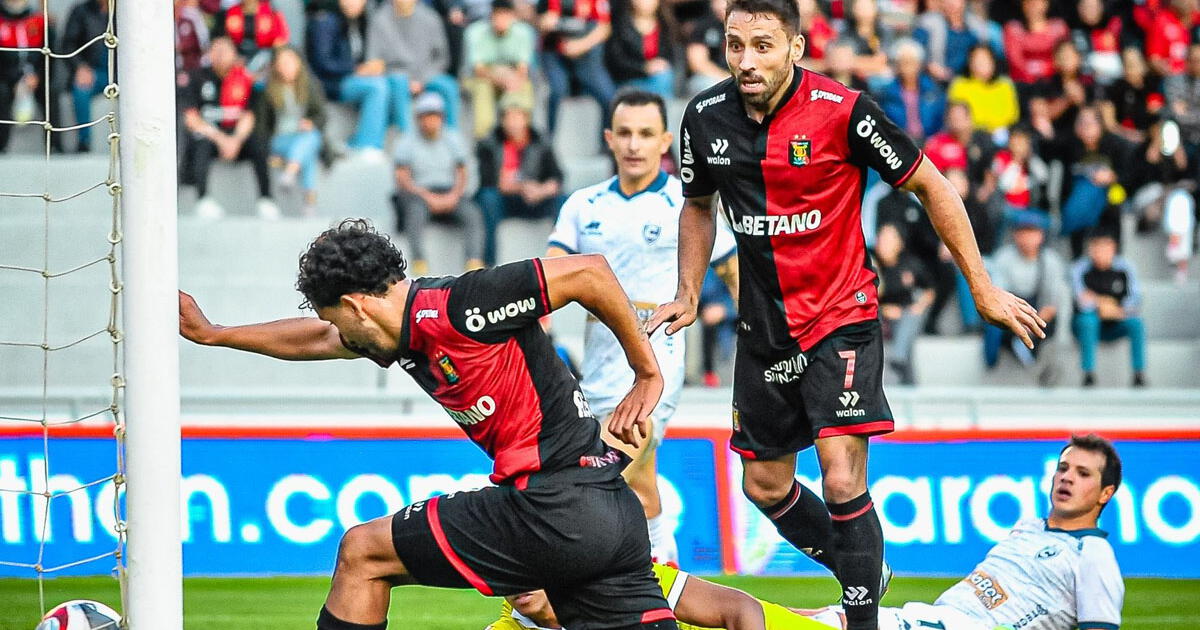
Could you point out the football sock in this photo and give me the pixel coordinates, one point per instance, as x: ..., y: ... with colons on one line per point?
x: 803, y: 520
x: 326, y: 621
x: 662, y: 541
x: 858, y: 541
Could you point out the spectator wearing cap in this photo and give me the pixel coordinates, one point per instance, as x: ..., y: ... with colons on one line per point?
x: 431, y: 184
x: 291, y: 114
x: 706, y: 49
x: 948, y: 33
x: 1108, y: 302
x: 406, y: 43
x: 218, y: 113
x: 904, y: 298
x: 574, y: 33
x: 641, y: 52
x: 89, y: 69
x: 256, y: 28
x: 913, y: 100
x: 337, y: 49
x: 991, y: 97
x: 1035, y: 273
x: 518, y: 174
x: 499, y: 53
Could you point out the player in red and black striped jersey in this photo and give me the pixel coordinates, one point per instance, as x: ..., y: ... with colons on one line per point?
x: 787, y: 151
x: 560, y: 517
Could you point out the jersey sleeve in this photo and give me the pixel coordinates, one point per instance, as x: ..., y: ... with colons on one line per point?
x: 489, y: 305
x: 566, y: 228
x: 693, y: 171
x: 1099, y: 589
x: 506, y: 620
x: 672, y: 581
x: 877, y: 142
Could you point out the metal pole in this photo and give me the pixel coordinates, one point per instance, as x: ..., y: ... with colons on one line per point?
x: 146, y: 74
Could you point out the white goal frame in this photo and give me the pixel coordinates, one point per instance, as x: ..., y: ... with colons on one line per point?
x: 147, y: 120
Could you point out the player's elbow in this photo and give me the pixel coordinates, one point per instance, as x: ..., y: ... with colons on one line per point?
x: 742, y: 611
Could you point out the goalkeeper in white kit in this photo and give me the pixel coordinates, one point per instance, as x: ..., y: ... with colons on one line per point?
x: 633, y: 220
x: 1057, y: 573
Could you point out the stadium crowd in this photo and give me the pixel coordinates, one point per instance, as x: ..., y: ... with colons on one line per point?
x: 1052, y: 118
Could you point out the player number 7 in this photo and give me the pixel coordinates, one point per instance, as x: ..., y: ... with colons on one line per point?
x: 849, y: 356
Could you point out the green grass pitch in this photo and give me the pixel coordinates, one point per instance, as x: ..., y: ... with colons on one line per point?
x: 292, y: 603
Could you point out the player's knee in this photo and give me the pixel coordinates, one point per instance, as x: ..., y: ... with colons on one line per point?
x: 842, y: 485
x: 765, y: 491
x: 357, y: 549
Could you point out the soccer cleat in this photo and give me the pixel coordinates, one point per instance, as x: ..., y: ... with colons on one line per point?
x: 267, y: 209
x: 1089, y: 379
x: 885, y: 579
x: 1139, y: 380
x: 207, y: 208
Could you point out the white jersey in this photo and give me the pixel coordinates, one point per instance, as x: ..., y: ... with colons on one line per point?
x: 639, y: 236
x: 1041, y: 578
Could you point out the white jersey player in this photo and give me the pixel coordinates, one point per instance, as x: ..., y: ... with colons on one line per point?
x: 633, y: 220
x: 1053, y: 574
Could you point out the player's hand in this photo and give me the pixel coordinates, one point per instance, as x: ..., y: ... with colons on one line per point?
x: 1003, y: 309
x: 680, y: 313
x: 630, y: 423
x: 193, y: 325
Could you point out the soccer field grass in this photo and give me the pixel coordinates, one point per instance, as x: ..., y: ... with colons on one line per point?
x: 292, y: 603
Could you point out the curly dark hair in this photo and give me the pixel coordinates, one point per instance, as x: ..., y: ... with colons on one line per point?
x: 353, y: 257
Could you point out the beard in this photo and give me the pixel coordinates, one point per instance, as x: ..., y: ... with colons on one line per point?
x: 771, y: 86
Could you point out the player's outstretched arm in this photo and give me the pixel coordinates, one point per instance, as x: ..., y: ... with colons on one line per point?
x: 697, y: 232
x: 296, y: 339
x: 949, y: 218
x: 587, y: 280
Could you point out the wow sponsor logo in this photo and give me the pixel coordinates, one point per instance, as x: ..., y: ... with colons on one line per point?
x: 475, y: 317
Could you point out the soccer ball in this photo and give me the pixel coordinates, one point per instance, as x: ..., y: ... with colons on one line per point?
x: 80, y: 614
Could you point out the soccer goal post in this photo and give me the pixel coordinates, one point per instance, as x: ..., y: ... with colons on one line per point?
x: 146, y: 115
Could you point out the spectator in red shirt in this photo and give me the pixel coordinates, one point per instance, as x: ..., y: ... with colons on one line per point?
x: 218, y: 113
x: 818, y: 34
x: 1029, y: 44
x: 960, y: 145
x: 1017, y: 173
x: 1170, y: 35
x: 255, y: 27
x: 23, y: 73
x: 191, y: 36
x: 518, y: 175
x: 641, y: 53
x: 574, y: 35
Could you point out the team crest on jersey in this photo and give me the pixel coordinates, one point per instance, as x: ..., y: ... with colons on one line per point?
x: 449, y: 370
x: 800, y: 153
x: 1048, y: 552
x: 651, y: 232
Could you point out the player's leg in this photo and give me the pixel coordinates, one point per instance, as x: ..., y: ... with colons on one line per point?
x: 843, y: 397
x: 768, y: 428
x: 367, y: 569
x: 857, y: 533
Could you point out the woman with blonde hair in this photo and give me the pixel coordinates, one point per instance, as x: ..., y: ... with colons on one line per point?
x: 291, y: 113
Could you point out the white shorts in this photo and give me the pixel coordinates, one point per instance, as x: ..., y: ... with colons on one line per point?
x: 913, y: 616
x: 607, y: 376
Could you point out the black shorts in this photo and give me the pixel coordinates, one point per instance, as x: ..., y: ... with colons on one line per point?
x: 783, y: 403
x: 579, y: 534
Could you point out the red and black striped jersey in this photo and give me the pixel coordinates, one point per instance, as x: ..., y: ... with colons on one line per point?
x: 792, y: 187
x: 474, y: 344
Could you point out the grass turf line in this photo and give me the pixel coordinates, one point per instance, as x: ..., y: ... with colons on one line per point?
x: 292, y: 603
